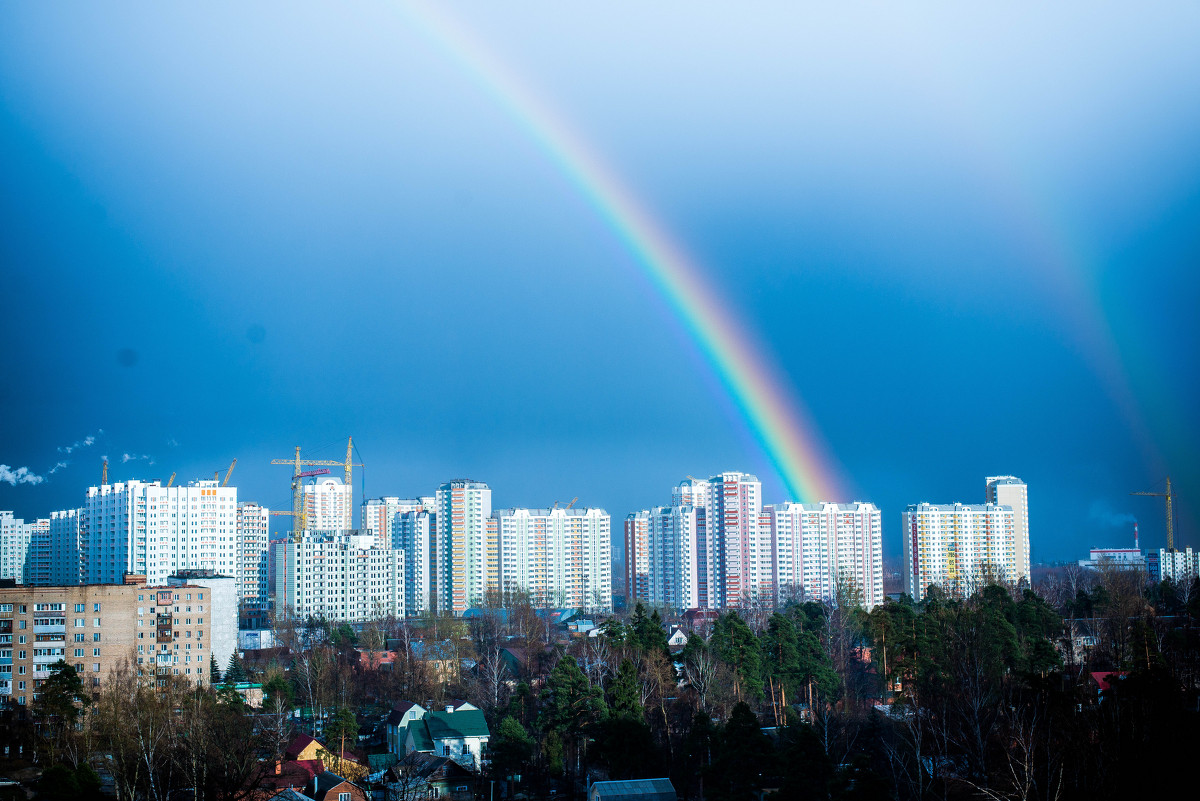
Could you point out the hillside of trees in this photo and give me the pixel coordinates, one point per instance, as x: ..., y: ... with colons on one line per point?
x: 1077, y: 690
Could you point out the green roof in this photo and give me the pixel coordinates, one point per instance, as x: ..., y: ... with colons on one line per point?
x: 420, y: 736
x: 449, y: 725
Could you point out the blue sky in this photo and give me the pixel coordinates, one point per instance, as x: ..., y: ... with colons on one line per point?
x: 228, y: 231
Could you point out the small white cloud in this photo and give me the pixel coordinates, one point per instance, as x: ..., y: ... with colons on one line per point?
x: 56, y: 468
x: 171, y: 443
x: 87, y: 441
x: 19, y: 475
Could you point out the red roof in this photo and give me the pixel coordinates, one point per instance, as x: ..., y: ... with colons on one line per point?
x: 375, y: 659
x: 298, y: 744
x: 296, y: 774
x: 1102, y: 678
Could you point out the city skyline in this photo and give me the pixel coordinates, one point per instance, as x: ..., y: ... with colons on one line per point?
x: 945, y: 250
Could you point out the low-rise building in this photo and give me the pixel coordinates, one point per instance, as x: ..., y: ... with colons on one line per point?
x: 1114, y: 559
x: 458, y: 731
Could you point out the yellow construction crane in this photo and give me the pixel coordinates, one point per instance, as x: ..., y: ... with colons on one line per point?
x: 573, y: 501
x: 104, y: 473
x: 171, y: 480
x: 1170, y: 525
x: 297, y: 513
x: 229, y: 472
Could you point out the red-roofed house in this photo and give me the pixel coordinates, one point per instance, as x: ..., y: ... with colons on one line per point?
x: 294, y: 775
x: 1104, y: 679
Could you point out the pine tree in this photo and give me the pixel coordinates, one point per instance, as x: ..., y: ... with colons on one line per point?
x: 626, y: 694
x: 236, y: 672
x: 214, y: 670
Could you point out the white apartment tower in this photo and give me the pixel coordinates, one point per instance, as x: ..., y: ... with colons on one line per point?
x: 1181, y: 567
x: 141, y: 528
x: 339, y: 577
x: 380, y: 516
x: 827, y: 549
x: 678, y: 556
x: 461, y: 544
x: 16, y: 540
x: 1011, y: 491
x: 414, y: 533
x: 559, y: 556
x: 253, y: 536
x: 957, y: 546
x: 66, y: 552
x: 328, y: 505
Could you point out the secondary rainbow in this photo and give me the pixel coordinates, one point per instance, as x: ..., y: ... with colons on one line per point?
x: 775, y: 418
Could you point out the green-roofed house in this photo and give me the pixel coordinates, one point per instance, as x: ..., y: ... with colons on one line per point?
x: 458, y: 731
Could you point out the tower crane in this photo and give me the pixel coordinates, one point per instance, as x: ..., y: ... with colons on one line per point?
x: 229, y: 472
x: 171, y: 480
x: 297, y: 513
x: 1170, y: 517
x: 104, y: 473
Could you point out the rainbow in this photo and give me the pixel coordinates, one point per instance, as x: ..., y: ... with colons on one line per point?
x: 776, y: 420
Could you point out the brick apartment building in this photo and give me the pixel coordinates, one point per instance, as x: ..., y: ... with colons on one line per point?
x: 160, y: 631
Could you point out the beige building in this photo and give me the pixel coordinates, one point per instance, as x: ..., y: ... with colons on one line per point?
x: 95, y: 628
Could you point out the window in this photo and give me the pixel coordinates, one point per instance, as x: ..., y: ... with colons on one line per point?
x: 95, y: 667
x: 95, y: 607
x: 79, y: 623
x: 78, y: 607
x: 343, y: 797
x: 96, y: 637
x: 96, y: 622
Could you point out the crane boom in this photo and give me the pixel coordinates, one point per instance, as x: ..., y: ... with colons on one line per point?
x: 229, y: 472
x: 299, y: 521
x: 1170, y: 525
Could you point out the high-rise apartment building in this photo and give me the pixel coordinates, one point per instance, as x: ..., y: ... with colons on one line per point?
x: 414, y: 533
x: 637, y: 558
x: 66, y: 551
x: 561, y: 557
x: 740, y: 562
x: 339, y: 577
x: 957, y: 547
x: 1011, y: 491
x: 829, y: 551
x: 253, y: 592
x: 461, y: 544
x: 140, y: 528
x: 328, y: 505
x: 717, y: 546
x: 1181, y: 567
x: 16, y: 540
x: 380, y: 516
x: 678, y: 556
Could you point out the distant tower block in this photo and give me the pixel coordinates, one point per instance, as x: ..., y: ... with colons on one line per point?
x: 1011, y: 491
